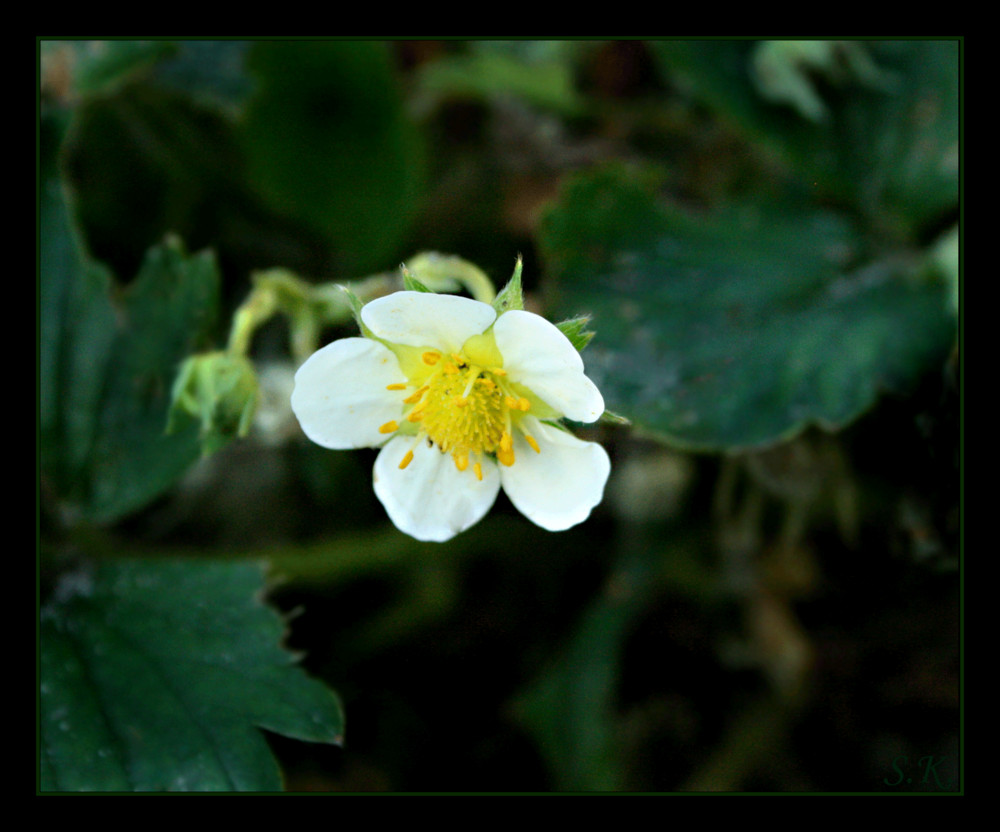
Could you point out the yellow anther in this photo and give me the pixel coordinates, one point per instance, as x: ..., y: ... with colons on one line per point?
x: 430, y: 358
x: 523, y: 404
x: 406, y: 460
x: 415, y: 397
x: 479, y: 471
x: 505, y: 456
x: 395, y: 387
x: 461, y: 461
x: 459, y: 401
x: 532, y: 442
x: 389, y: 427
x: 511, y: 402
x: 506, y: 442
x: 450, y: 369
x: 498, y: 371
x: 414, y: 415
x: 487, y: 383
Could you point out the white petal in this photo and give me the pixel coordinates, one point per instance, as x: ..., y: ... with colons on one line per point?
x: 558, y: 486
x: 537, y: 355
x: 431, y: 499
x: 424, y: 319
x: 340, y: 396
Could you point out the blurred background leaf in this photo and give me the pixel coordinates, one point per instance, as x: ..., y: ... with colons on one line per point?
x: 887, y: 143
x: 268, y: 151
x: 328, y: 143
x: 145, y: 161
x: 89, y: 67
x: 572, y: 707
x: 157, y: 676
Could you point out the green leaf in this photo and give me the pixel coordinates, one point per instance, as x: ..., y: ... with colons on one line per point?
x: 328, y: 143
x: 157, y: 675
x: 541, y: 75
x: 737, y: 329
x: 107, y: 363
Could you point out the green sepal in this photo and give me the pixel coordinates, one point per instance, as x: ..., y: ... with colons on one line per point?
x: 356, y: 305
x: 609, y: 417
x: 511, y: 296
x: 575, y: 329
x: 410, y: 283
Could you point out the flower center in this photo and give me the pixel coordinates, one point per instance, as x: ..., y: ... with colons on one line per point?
x: 465, y: 409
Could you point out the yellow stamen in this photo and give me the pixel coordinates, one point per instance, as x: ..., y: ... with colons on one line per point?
x: 473, y: 373
x: 395, y: 387
x: 406, y: 460
x: 532, y: 442
x: 389, y: 427
x: 467, y: 410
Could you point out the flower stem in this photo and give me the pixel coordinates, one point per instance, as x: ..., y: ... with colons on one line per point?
x: 308, y: 307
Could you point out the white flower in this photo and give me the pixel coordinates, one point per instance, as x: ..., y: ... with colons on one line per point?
x: 462, y: 402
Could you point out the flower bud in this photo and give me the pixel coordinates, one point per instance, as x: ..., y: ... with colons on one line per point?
x: 219, y: 390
